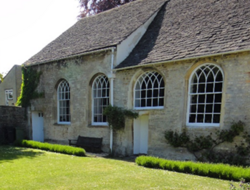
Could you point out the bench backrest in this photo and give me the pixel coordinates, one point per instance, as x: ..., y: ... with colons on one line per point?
x: 88, y: 141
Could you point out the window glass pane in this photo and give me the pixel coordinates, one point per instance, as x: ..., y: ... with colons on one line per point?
x: 155, y: 101
x: 208, y: 118
x: 201, y: 99
x: 194, y: 88
x: 143, y: 93
x: 161, y: 101
x: 201, y: 108
x: 143, y: 103
x: 218, y: 87
x: 149, y: 85
x: 210, y: 98
x: 210, y: 77
x: 137, y: 103
x: 202, y: 78
x: 210, y: 87
x: 149, y: 102
x: 143, y: 86
x: 217, y: 108
x: 192, y: 118
x: 156, y: 93
x: 216, y: 118
x: 193, y: 109
x: 201, y: 88
x: 209, y: 108
x: 161, y: 93
x: 218, y: 97
x: 219, y: 77
x: 193, y: 98
x: 200, y: 118
x: 149, y: 93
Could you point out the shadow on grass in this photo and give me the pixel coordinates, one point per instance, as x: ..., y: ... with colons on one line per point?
x: 9, y: 153
x: 125, y: 159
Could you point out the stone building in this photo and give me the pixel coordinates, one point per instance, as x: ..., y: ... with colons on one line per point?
x: 179, y: 64
x: 11, y: 86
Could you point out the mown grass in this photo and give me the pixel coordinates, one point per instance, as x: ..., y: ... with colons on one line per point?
x: 25, y: 168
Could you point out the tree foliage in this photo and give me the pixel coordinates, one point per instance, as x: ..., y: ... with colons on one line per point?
x: 92, y: 7
x: 1, y: 77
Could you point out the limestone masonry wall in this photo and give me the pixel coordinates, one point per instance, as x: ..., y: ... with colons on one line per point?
x: 80, y: 72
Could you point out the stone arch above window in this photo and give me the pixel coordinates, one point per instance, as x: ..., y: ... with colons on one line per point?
x: 205, y: 96
x: 63, y: 102
x: 100, y: 99
x: 149, y: 91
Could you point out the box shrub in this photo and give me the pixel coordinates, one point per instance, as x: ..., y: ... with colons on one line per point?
x: 51, y: 147
x: 221, y: 171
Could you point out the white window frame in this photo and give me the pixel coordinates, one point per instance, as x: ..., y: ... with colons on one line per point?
x: 7, y: 94
x: 63, y: 99
x: 104, y: 85
x: 203, y: 124
x: 140, y: 81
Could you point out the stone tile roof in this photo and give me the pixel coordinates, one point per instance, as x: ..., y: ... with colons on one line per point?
x: 193, y: 28
x: 96, y: 32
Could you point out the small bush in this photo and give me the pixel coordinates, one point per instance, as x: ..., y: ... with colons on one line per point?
x: 220, y: 171
x: 51, y: 147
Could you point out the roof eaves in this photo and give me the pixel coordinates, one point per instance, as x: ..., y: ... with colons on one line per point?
x: 183, y: 59
x: 71, y: 56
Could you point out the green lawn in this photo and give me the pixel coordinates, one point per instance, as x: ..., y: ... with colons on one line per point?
x: 22, y: 168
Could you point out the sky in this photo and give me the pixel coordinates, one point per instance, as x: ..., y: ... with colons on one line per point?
x: 26, y: 26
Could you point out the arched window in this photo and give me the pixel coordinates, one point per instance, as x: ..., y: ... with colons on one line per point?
x: 205, y: 95
x: 100, y: 99
x: 63, y: 103
x: 149, y: 91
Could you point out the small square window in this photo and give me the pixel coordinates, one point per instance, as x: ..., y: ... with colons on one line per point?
x: 9, y: 94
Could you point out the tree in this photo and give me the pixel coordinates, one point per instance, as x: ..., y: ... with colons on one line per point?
x: 1, y: 77
x: 92, y: 7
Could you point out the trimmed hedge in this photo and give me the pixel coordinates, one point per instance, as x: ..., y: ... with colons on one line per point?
x: 51, y: 147
x: 220, y: 171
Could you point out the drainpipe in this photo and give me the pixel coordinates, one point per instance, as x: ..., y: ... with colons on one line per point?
x: 112, y: 76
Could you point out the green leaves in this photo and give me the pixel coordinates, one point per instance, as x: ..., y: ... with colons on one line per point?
x: 202, y: 146
x: 220, y: 171
x: 52, y: 147
x: 116, y: 116
x: 30, y: 81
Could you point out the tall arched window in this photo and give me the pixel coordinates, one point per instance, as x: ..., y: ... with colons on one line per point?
x: 149, y: 91
x: 63, y: 103
x: 100, y: 99
x: 205, y: 95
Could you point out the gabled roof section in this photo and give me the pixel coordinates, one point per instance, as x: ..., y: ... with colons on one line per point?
x: 189, y: 28
x: 97, y: 32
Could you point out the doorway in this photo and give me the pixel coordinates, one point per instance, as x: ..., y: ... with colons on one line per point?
x: 37, y: 126
x: 141, y: 135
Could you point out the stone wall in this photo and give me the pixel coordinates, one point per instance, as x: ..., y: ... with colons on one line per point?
x: 80, y: 73
x: 12, y: 117
x: 235, y: 102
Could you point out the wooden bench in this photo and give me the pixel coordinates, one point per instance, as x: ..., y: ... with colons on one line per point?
x: 90, y: 144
